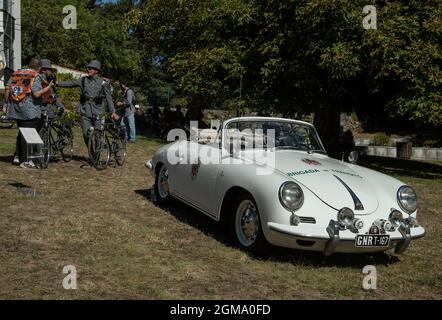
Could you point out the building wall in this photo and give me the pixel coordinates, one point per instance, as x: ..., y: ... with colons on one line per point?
x: 75, y: 73
x: 10, y: 39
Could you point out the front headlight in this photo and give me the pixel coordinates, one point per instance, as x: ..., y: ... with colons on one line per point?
x: 291, y: 196
x: 396, y: 218
x: 407, y: 199
x: 346, y: 217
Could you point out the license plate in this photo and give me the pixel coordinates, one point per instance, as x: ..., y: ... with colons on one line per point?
x: 372, y: 240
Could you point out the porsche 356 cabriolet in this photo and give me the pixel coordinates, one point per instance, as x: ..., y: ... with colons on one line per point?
x: 290, y: 193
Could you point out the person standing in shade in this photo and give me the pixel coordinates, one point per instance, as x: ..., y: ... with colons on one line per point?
x: 94, y: 90
x: 128, y: 119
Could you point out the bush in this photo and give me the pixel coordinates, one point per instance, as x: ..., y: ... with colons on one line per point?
x: 381, y: 139
x: 73, y: 116
x: 69, y: 97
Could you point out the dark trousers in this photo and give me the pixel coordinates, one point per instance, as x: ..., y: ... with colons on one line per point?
x: 20, y: 146
x: 87, y: 123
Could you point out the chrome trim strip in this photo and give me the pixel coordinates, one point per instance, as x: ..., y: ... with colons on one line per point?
x: 194, y: 206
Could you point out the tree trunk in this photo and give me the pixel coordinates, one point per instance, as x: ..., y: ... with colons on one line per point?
x: 327, y: 122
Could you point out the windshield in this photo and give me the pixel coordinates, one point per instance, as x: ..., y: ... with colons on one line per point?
x: 278, y: 134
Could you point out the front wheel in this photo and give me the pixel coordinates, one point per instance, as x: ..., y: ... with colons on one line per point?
x: 99, y: 150
x: 245, y: 225
x: 161, y: 187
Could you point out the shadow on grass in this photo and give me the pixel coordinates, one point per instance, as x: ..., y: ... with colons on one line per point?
x: 194, y: 218
x: 7, y: 159
x: 19, y: 185
x: 417, y: 169
x: 81, y: 159
x: 151, y: 137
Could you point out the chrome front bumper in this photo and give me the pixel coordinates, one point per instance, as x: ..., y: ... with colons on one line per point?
x: 336, y: 239
x: 149, y: 165
x: 334, y: 228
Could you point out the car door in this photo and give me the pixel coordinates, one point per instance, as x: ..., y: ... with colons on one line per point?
x: 195, y: 182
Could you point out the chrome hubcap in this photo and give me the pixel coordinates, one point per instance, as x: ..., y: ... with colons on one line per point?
x: 247, y: 223
x: 163, y: 183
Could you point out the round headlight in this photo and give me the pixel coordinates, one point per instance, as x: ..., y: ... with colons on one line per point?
x: 407, y: 199
x: 346, y: 217
x: 291, y: 196
x: 395, y: 218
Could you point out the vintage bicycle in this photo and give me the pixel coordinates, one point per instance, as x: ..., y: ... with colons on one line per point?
x: 57, y: 136
x: 107, y: 141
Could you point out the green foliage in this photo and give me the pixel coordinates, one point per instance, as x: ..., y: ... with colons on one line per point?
x: 381, y: 139
x: 293, y: 56
x: 299, y: 56
x: 101, y: 35
x: 69, y: 97
x: 405, y: 59
x: 73, y: 116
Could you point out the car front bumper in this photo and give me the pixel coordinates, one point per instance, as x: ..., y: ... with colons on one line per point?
x: 333, y: 239
x: 149, y: 165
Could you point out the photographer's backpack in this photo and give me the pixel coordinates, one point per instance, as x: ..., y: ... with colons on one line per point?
x: 21, y: 84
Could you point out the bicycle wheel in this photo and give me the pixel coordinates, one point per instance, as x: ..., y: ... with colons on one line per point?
x: 46, y: 149
x: 120, y: 151
x: 5, y: 123
x: 99, y: 150
x: 67, y: 150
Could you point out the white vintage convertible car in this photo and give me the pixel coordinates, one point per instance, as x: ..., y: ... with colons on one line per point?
x: 270, y: 180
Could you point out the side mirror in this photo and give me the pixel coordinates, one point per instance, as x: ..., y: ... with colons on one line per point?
x: 353, y: 157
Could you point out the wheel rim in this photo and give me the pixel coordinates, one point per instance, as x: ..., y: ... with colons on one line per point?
x: 247, y: 223
x: 99, y: 150
x: 46, y: 149
x: 120, y: 152
x: 163, y: 183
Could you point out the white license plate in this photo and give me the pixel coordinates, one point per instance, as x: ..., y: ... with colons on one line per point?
x: 372, y: 240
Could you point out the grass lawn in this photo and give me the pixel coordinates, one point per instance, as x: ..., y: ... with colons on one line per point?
x: 124, y: 247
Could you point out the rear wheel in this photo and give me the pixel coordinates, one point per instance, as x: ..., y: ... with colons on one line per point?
x: 99, y: 150
x: 46, y: 149
x: 120, y: 151
x: 67, y: 152
x: 5, y: 123
x: 161, y: 187
x: 245, y: 225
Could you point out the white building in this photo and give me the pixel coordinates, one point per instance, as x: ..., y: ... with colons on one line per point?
x: 10, y: 38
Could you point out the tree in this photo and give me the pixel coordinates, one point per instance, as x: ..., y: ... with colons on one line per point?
x: 299, y: 56
x: 101, y: 34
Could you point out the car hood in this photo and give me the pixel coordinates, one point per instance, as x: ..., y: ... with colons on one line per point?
x: 336, y: 183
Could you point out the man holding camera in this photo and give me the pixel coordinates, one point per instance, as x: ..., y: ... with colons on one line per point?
x: 50, y: 98
x: 94, y: 90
